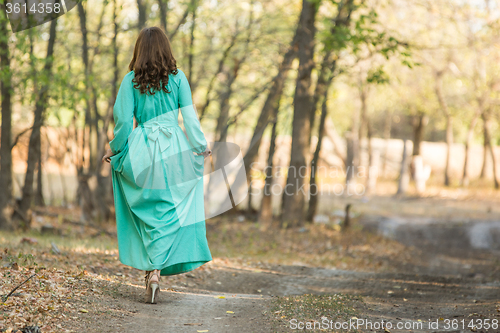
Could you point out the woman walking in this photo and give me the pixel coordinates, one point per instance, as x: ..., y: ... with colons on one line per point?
x: 157, y: 172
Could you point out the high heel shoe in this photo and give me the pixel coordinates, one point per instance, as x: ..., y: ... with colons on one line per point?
x: 152, y: 286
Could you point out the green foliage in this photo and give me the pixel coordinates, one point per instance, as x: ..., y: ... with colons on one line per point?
x: 21, y: 259
x: 364, y: 32
x: 378, y: 75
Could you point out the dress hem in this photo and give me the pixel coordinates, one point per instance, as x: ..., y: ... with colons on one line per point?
x: 197, y: 264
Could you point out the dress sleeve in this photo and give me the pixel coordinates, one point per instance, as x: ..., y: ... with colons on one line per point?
x: 192, y: 124
x: 123, y: 114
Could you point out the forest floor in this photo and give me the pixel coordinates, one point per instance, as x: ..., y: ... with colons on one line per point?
x: 270, y: 280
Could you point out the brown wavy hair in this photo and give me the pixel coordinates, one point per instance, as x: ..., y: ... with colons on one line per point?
x: 152, y: 61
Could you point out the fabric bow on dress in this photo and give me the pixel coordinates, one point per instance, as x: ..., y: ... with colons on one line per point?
x: 160, y: 133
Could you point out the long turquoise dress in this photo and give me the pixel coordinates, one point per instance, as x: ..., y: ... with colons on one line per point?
x: 158, y: 178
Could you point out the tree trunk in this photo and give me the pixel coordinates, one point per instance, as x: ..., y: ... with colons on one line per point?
x: 163, y: 5
x: 487, y: 133
x: 449, y: 142
x: 86, y: 201
x: 350, y: 163
x: 102, y: 193
x: 404, y: 177
x: 181, y: 22
x: 363, y: 130
x: 486, y: 149
x: 270, y: 106
x: 387, y: 137
x: 313, y: 197
x: 85, y: 59
x: 222, y: 121
x: 6, y: 135
x: 468, y: 142
x: 23, y: 211
x: 294, y: 194
x: 225, y: 54
x: 342, y: 20
x: 94, y: 126
x: 494, y: 159
x: 419, y: 123
x: 266, y: 208
x: 191, y: 41
x: 320, y: 90
x: 221, y: 129
x: 353, y: 150
x: 142, y: 6
x: 39, y: 200
x: 335, y: 138
x: 363, y: 126
x: 373, y: 160
x: 91, y: 109
x: 449, y: 125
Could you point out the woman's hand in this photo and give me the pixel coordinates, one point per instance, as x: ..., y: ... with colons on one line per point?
x: 106, y: 157
x: 207, y: 152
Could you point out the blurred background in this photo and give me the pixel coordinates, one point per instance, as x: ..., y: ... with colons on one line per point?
x: 339, y: 86
x: 390, y: 109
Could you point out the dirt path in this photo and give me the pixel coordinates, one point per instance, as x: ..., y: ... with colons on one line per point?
x: 182, y: 311
x: 446, y: 284
x: 395, y: 297
x: 436, y: 271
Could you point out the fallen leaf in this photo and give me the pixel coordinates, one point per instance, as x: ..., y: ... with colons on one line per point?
x: 83, y: 311
x: 193, y: 324
x: 229, y: 312
x: 29, y: 240
x: 200, y: 331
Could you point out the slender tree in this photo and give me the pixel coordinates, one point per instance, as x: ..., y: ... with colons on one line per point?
x: 163, y: 6
x: 487, y: 135
x: 194, y: 5
x: 142, y: 6
x: 313, y: 188
x: 294, y: 194
x: 270, y: 105
x: 419, y: 122
x: 220, y: 68
x: 6, y: 136
x: 22, y: 213
x: 266, y: 208
x: 227, y: 84
x: 449, y: 123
